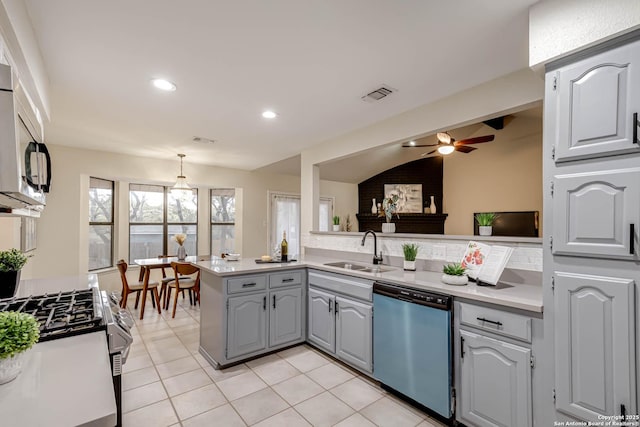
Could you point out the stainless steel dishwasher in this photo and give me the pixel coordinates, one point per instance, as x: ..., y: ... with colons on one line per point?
x: 412, y: 345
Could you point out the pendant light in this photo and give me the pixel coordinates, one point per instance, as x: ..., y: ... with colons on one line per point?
x: 181, y: 181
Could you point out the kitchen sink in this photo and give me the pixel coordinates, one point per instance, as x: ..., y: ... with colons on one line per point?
x: 347, y: 265
x: 357, y: 267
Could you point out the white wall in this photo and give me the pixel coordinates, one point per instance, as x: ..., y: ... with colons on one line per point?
x: 560, y: 27
x: 62, y: 239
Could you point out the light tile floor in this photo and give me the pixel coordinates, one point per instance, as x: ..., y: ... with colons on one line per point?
x: 166, y: 382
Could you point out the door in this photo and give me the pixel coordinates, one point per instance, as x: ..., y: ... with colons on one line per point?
x: 322, y: 323
x: 354, y: 333
x: 246, y: 324
x: 594, y: 345
x: 285, y: 317
x: 597, y: 213
x: 598, y: 102
x: 495, y: 382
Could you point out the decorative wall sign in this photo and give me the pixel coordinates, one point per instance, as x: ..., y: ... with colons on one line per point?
x: 409, y: 196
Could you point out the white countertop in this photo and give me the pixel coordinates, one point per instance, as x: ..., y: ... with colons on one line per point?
x: 524, y: 296
x: 64, y: 382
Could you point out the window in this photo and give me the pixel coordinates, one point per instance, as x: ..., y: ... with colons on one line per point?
x: 223, y: 218
x: 156, y: 214
x: 285, y: 216
x: 100, y: 223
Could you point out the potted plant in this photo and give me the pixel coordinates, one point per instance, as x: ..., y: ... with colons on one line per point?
x: 18, y: 333
x: 336, y: 223
x: 180, y: 238
x: 454, y: 274
x: 390, y: 207
x: 410, y: 252
x: 485, y: 222
x: 11, y: 263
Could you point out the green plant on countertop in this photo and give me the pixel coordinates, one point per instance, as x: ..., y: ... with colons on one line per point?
x: 18, y: 333
x: 336, y: 220
x: 410, y: 251
x: 12, y: 260
x: 454, y: 269
x: 486, y: 219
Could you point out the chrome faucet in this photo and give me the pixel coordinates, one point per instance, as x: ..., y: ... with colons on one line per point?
x: 376, y: 259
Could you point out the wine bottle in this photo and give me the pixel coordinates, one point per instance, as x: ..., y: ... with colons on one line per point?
x: 284, y: 247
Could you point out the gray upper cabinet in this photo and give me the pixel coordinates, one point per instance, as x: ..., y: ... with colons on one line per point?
x: 285, y: 318
x: 354, y: 332
x: 495, y: 382
x: 598, y: 99
x: 594, y: 345
x: 597, y: 213
x: 322, y: 324
x: 246, y: 324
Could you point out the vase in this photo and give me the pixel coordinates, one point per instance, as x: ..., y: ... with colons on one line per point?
x: 182, y: 253
x: 449, y: 279
x: 409, y: 265
x: 336, y: 227
x: 374, y: 207
x: 11, y: 367
x: 9, y: 281
x: 433, y: 205
x: 485, y: 230
x: 388, y: 227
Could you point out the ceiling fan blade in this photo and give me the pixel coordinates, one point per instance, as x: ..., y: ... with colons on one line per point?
x: 465, y: 149
x: 476, y: 140
x: 426, y: 154
x: 407, y: 145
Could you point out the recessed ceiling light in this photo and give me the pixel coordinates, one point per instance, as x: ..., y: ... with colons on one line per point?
x: 269, y: 114
x: 163, y: 84
x: 412, y: 143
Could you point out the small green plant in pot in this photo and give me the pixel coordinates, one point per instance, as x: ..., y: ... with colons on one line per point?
x: 485, y: 222
x: 410, y: 251
x: 336, y: 223
x: 11, y: 263
x: 454, y: 274
x: 18, y: 333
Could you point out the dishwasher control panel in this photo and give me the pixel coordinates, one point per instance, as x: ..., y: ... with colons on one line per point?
x: 442, y: 302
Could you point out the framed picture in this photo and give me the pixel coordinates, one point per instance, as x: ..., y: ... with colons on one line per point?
x: 409, y: 196
x: 27, y: 234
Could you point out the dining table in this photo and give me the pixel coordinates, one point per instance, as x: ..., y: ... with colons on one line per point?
x: 148, y: 264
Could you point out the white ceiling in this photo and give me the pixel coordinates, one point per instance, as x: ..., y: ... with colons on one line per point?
x: 310, y: 61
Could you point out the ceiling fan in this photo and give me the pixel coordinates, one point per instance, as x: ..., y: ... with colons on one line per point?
x: 447, y: 144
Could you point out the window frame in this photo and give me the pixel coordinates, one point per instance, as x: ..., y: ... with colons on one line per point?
x: 216, y: 224
x: 109, y: 223
x: 165, y: 218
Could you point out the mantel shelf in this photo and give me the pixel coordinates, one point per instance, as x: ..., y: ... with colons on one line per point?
x: 418, y: 223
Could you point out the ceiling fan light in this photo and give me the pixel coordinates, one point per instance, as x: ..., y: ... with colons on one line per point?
x: 444, y: 137
x: 446, y: 149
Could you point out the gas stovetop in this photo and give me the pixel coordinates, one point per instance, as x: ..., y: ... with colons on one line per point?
x: 63, y: 314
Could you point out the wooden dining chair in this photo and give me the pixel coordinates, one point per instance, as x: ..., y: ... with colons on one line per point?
x: 136, y: 287
x: 184, y: 280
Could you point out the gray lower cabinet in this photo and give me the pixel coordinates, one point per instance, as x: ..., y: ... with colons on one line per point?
x: 495, y: 387
x: 246, y: 324
x: 338, y: 321
x: 594, y: 345
x: 285, y: 316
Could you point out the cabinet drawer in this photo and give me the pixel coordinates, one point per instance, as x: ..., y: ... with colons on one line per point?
x: 246, y: 284
x: 287, y: 278
x: 496, y: 321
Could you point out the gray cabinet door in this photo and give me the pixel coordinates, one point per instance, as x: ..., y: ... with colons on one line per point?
x: 246, y: 324
x: 594, y: 213
x: 322, y: 323
x: 285, y: 317
x: 495, y: 382
x: 354, y: 332
x: 597, y: 98
x: 594, y: 345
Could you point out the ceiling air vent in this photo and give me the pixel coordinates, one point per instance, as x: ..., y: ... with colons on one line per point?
x: 378, y: 94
